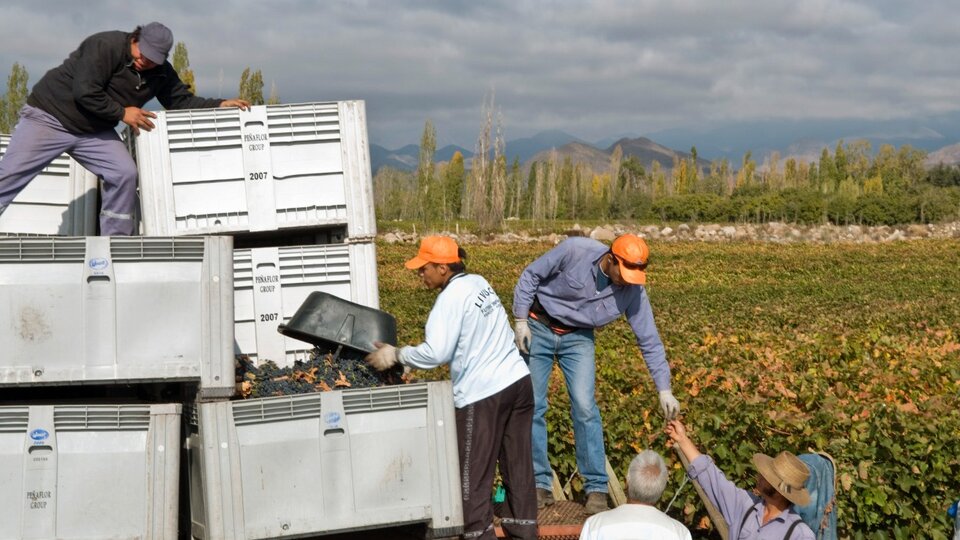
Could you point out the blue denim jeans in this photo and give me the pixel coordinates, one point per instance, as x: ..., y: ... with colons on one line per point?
x: 575, y: 355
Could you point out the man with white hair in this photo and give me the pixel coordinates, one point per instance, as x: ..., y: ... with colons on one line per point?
x: 639, y: 519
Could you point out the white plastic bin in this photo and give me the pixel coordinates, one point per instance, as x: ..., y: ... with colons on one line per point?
x: 271, y: 283
x: 318, y: 463
x: 62, y: 200
x: 111, y: 309
x: 89, y: 471
x: 214, y: 171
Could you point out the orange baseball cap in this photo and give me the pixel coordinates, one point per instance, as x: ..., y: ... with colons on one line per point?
x: 632, y: 255
x: 435, y: 249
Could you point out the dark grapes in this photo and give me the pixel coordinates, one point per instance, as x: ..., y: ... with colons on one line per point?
x: 325, y: 370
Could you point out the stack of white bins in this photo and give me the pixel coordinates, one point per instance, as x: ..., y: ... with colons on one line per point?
x: 292, y: 185
x: 95, y: 331
x: 62, y: 199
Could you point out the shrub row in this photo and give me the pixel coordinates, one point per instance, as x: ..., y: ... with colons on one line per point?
x: 927, y: 205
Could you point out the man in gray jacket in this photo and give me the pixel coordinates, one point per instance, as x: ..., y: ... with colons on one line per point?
x: 76, y: 107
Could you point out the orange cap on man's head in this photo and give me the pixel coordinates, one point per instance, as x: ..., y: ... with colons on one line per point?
x: 435, y: 249
x: 632, y: 255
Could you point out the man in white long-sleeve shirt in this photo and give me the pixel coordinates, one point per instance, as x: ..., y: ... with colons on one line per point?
x: 492, y: 392
x: 639, y: 519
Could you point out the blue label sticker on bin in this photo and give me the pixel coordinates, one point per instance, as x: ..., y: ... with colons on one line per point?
x: 332, y: 419
x: 99, y: 263
x: 39, y: 435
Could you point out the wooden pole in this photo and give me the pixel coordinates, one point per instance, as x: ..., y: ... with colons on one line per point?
x: 613, y: 485
x: 712, y: 510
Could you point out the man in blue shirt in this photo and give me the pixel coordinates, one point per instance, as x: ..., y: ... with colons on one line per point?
x: 559, y: 300
x: 766, y: 513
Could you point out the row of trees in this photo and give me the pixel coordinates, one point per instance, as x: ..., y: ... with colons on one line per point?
x: 251, y: 82
x: 251, y: 87
x: 442, y: 193
x: 852, y: 184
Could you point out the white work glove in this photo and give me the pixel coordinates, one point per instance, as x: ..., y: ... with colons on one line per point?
x: 669, y: 405
x: 384, y: 358
x: 522, y: 336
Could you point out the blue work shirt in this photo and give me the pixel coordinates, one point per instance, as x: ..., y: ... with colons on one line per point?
x: 565, y: 281
x: 734, y: 503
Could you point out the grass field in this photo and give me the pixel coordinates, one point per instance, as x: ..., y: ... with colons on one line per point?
x: 849, y: 349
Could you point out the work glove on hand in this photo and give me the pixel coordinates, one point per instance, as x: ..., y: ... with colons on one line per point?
x: 522, y: 336
x: 384, y: 358
x: 669, y: 405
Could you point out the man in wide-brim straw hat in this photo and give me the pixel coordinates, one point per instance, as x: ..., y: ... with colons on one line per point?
x: 767, y: 513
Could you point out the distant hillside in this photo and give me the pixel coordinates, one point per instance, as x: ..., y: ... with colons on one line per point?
x: 408, y: 157
x: 527, y: 147
x: 538, y: 148
x: 648, y: 151
x: 593, y: 157
x: 404, y: 159
x: 446, y: 153
x: 642, y: 148
x: 761, y: 137
x: 948, y: 155
x: 608, y: 141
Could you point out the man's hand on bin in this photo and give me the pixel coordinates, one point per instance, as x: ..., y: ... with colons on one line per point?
x: 138, y: 119
x: 522, y: 336
x: 236, y: 102
x: 384, y: 358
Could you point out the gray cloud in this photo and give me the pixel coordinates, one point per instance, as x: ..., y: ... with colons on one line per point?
x: 590, y: 68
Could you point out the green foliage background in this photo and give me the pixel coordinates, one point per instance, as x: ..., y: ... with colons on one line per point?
x: 848, y: 349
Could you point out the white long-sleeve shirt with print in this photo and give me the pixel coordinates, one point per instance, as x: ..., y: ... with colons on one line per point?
x: 468, y: 328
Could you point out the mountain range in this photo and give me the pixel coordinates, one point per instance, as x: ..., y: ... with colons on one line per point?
x: 540, y: 147
x: 800, y: 139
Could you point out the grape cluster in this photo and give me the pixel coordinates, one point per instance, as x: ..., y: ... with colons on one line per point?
x: 324, y: 371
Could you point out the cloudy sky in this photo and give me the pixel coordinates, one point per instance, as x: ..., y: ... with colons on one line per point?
x: 593, y: 69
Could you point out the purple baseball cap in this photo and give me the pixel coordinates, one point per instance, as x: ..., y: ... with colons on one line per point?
x: 155, y: 42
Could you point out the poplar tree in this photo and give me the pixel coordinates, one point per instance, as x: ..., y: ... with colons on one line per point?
x: 181, y: 64
x: 14, y: 98
x: 828, y: 172
x: 514, y: 189
x: 840, y: 165
x: 427, y: 199
x: 274, y: 98
x: 453, y: 187
x: 251, y: 86
x: 486, y: 188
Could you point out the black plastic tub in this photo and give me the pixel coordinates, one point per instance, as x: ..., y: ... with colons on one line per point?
x: 330, y: 322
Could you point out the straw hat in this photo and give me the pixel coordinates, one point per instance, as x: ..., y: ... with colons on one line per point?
x: 787, y: 474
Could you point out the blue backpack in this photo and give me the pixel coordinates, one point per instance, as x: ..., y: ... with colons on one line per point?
x: 821, y: 513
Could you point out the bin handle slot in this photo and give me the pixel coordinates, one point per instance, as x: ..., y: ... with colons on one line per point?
x: 46, y: 449
x: 334, y: 431
x: 92, y: 279
x: 253, y: 123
